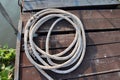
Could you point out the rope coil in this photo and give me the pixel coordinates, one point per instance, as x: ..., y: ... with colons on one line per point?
x: 78, y: 44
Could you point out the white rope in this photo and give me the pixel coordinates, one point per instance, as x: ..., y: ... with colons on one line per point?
x: 32, y: 50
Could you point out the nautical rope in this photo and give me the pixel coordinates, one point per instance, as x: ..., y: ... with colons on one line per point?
x: 78, y: 45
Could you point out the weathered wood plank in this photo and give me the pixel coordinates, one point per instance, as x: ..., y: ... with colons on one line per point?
x: 110, y: 13
x: 86, y: 14
x: 102, y: 37
x: 30, y: 74
x: 89, y: 24
x: 64, y: 40
x: 99, y: 24
x: 110, y: 76
x: 41, y: 4
x: 92, y: 52
x: 91, y: 66
x: 89, y: 19
x: 32, y: 71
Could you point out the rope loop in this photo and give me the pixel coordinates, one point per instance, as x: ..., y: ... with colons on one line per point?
x: 32, y: 51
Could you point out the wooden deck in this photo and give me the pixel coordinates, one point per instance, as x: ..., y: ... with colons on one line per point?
x: 102, y: 58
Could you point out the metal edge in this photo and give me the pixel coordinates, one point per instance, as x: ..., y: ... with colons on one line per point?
x: 107, y: 6
x: 18, y: 45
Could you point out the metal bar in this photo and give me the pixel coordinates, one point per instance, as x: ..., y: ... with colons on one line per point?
x: 7, y: 17
x: 67, y: 4
x: 20, y: 3
x: 18, y: 46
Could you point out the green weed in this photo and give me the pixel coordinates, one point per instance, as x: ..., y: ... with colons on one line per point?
x: 7, y: 57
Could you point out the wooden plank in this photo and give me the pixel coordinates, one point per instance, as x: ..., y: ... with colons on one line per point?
x: 110, y: 13
x: 113, y: 76
x: 24, y: 61
x: 33, y: 72
x: 115, y: 22
x: 89, y: 21
x: 110, y: 76
x: 101, y: 24
x: 64, y: 40
x: 41, y: 4
x: 30, y: 74
x: 102, y: 37
x: 89, y: 24
x: 86, y: 14
x: 92, y: 52
x: 102, y: 51
x: 87, y: 67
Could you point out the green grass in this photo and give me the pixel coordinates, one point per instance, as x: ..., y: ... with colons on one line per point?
x: 7, y: 58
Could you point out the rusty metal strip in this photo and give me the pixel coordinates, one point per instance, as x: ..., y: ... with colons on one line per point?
x: 18, y: 45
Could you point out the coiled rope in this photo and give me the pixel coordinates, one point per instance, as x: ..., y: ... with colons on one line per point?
x: 78, y: 45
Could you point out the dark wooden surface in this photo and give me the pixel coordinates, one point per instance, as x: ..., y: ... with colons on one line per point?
x: 103, y: 46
